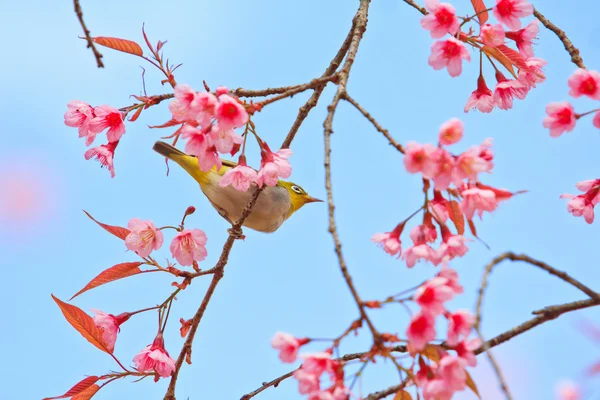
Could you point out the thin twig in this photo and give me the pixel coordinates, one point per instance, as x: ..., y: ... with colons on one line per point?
x: 569, y: 47
x: 368, y: 116
x: 266, y: 385
x: 411, y: 3
x: 387, y: 392
x: 299, y: 89
x: 495, y: 367
x: 88, y: 36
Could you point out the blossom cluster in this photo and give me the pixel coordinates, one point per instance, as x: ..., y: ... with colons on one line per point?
x: 449, y: 53
x: 583, y: 204
x: 313, y: 367
x: 440, y: 379
x: 91, y: 121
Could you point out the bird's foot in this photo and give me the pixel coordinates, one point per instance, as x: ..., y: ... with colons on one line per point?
x: 236, y: 233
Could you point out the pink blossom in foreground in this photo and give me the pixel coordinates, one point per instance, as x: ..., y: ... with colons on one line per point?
x: 78, y: 115
x: 451, y: 132
x: 439, y: 207
x: 465, y: 350
x: 524, y: 37
x: 189, y: 246
x: 583, y: 204
x: 492, y: 35
x: 184, y: 106
x: 452, y: 246
x: 317, y: 363
x: 584, y: 82
x: 230, y: 113
x: 472, y: 162
x: 440, y: 20
x: 445, y: 164
x: 452, y: 370
x: 477, y: 200
x: 509, y: 12
x: 390, y: 241
x: 420, y: 252
x: 421, y: 330
x: 273, y: 166
x: 108, y: 117
x: 421, y: 234
x: 561, y: 118
x: 432, y: 295
x: 481, y: 98
x: 206, y: 103
x: 287, y: 345
x: 104, y: 154
x: 568, y: 390
x: 460, y: 323
x: 449, y: 53
x: 417, y: 158
x: 451, y: 277
x: 241, y: 177
x: 155, y: 358
x: 534, y: 74
x: 143, y: 238
x: 506, y: 89
x: 224, y: 139
x: 110, y: 326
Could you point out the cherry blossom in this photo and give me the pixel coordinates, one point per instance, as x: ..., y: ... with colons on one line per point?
x: 568, y: 390
x: 307, y: 382
x: 189, y: 246
x: 596, y: 120
x: 459, y: 323
x: 287, y: 345
x: 506, y: 89
x: 78, y: 115
x: 481, y: 98
x: 110, y: 326
x: 230, y: 113
x: 420, y: 252
x: 104, y: 154
x: 421, y: 330
x: 477, y: 200
x: 492, y: 35
x: 561, y: 118
x: 451, y: 131
x: 583, y: 204
x: 108, y: 117
x: 509, y: 11
x: 417, y: 158
x: 273, y: 166
x: 390, y: 241
x: 432, y: 295
x: 440, y: 20
x: 465, y: 349
x: 143, y: 238
x: 155, y: 358
x: 449, y: 53
x: 584, y: 82
x: 241, y: 177
x: 523, y: 38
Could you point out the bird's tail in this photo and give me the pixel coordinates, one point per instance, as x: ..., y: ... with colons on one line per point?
x: 187, y: 162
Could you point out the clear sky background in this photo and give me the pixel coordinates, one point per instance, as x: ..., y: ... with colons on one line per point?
x: 288, y: 280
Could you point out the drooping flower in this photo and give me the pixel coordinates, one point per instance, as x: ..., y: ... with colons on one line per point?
x: 273, y: 166
x: 465, y: 348
x: 449, y: 53
x: 452, y: 370
x: 432, y: 295
x: 155, y: 358
x: 451, y: 131
x: 441, y: 19
x: 307, y: 382
x: 421, y: 330
x: 78, y: 115
x: 523, y: 38
x: 583, y: 204
x: 224, y: 139
x: 417, y: 158
x: 287, y: 345
x: 439, y: 207
x: 472, y: 162
x: 421, y: 234
x: 390, y: 241
x: 584, y: 82
x: 506, y: 89
x: 108, y: 117
x: 317, y: 363
x: 534, y: 74
x: 561, y: 118
x: 189, y: 245
x: 477, y: 200
x: 184, y: 106
x: 492, y: 35
x: 481, y: 98
x: 104, y: 154
x: 451, y: 279
x: 110, y: 325
x: 241, y: 177
x: 143, y: 238
x: 420, y: 252
x: 460, y: 323
x: 230, y: 113
x: 452, y: 246
x: 509, y: 12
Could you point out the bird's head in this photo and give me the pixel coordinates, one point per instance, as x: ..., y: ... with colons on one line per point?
x: 298, y: 196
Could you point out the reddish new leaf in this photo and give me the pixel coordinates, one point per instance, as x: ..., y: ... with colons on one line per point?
x: 124, y: 45
x: 480, y: 10
x: 457, y: 217
x: 514, y: 56
x: 87, y: 394
x: 471, y: 385
x: 113, y: 273
x: 171, y: 122
x: 80, y: 387
x: 472, y: 227
x: 118, y: 231
x: 83, y: 323
x: 500, y: 57
x: 431, y: 352
x: 135, y: 116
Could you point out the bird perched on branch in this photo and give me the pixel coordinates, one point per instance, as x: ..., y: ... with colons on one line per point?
x: 273, y: 207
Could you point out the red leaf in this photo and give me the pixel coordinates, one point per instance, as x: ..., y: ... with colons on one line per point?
x: 471, y: 384
x: 113, y: 273
x: 480, y: 8
x: 402, y: 395
x: 83, y: 323
x: 87, y: 394
x: 78, y: 388
x: 514, y: 56
x: 472, y: 227
x: 171, y: 122
x: 118, y: 231
x: 457, y: 217
x: 135, y: 116
x: 495, y: 53
x: 124, y: 45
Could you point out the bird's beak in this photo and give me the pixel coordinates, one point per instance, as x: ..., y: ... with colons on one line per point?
x: 311, y: 199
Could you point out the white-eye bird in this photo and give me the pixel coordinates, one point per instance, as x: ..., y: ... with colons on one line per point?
x: 273, y: 207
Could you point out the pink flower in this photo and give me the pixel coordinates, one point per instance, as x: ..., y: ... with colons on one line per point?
x: 451, y: 131
x: 199, y: 144
x: 417, y: 158
x: 509, y: 11
x: 561, y: 118
x: 451, y: 279
x: 184, y: 106
x: 523, y: 38
x: 477, y: 200
x: 445, y: 164
x: 481, y: 98
x: 459, y: 323
x: 78, y: 115
x: 188, y: 245
x: 596, y: 120
x: 155, y: 358
x: 104, y: 154
x: 307, y: 382
x: 420, y: 331
x: 230, y: 113
x: 465, y: 351
x: 568, y: 390
x: 534, y: 73
x: 390, y: 241
x: 452, y: 371
x: 110, y: 326
x: 143, y: 238
x: 506, y: 89
x: 273, y: 166
x: 317, y: 363
x: 108, y: 117
x: 287, y: 345
x: 418, y: 252
x: 206, y: 104
x: 452, y: 246
x: 241, y: 177
x: 583, y: 205
x: 432, y: 295
x: 440, y: 20
x: 439, y: 207
x: 472, y: 162
x: 422, y: 234
x: 585, y: 83
x: 449, y: 53
x: 268, y: 174
x: 492, y: 35
x: 224, y: 139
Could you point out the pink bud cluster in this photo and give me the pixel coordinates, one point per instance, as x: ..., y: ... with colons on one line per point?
x: 561, y: 115
x: 441, y: 379
x: 314, y: 366
x: 450, y: 53
x: 583, y: 204
x: 93, y: 120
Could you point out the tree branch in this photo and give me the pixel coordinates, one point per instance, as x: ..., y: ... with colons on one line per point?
x: 88, y: 37
x: 569, y: 47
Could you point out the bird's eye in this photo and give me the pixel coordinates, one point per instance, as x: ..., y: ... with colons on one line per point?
x: 297, y: 189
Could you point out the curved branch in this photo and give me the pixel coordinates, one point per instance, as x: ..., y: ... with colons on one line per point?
x: 569, y: 47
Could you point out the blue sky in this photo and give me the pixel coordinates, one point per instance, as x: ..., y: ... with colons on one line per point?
x: 288, y: 280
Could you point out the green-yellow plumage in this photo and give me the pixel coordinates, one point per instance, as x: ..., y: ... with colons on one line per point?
x: 274, y: 205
